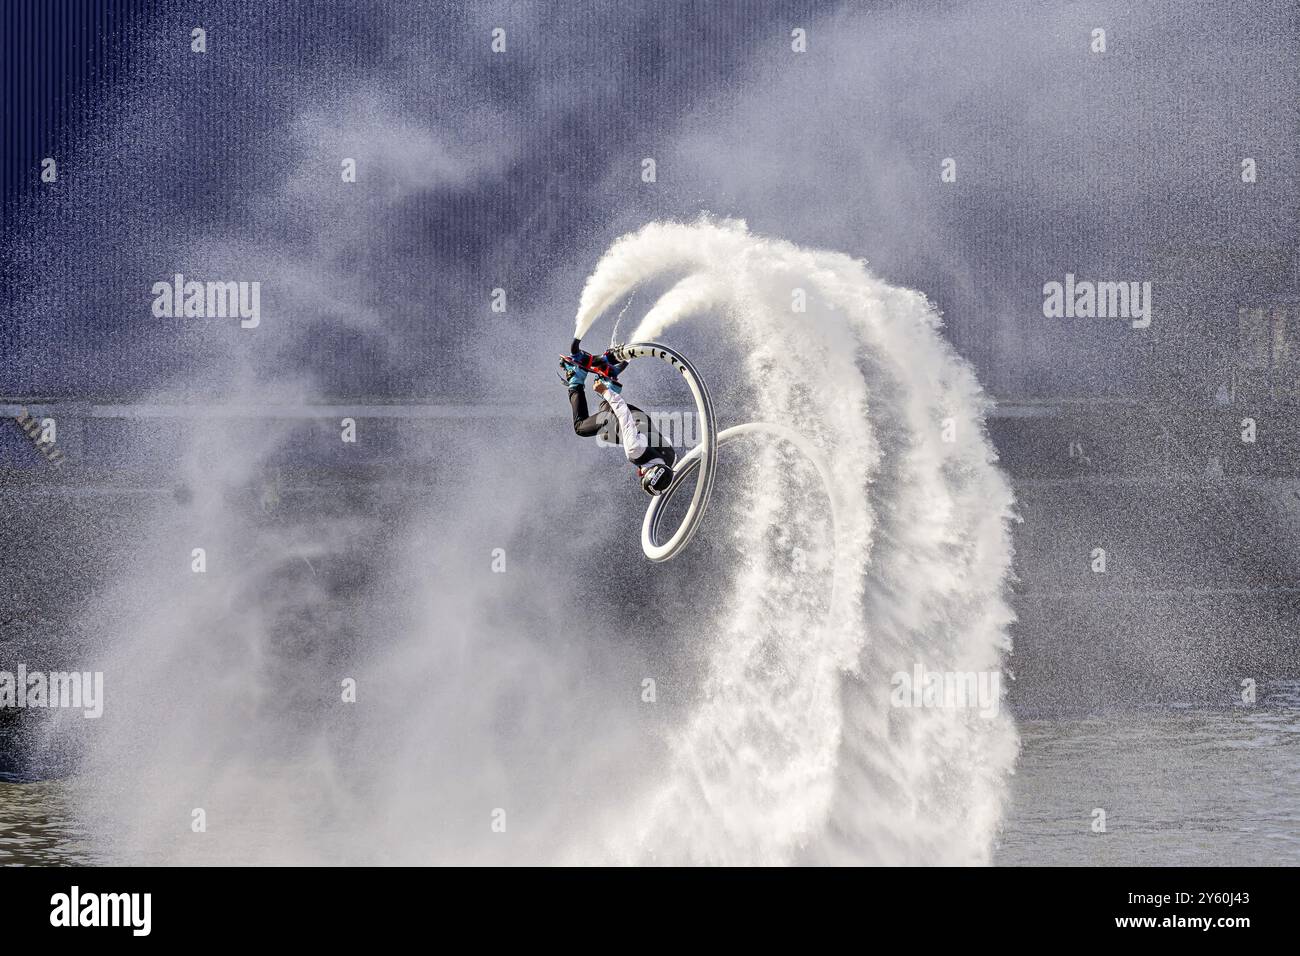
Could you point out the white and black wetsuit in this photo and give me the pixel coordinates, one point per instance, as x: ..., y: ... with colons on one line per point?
x: 621, y: 424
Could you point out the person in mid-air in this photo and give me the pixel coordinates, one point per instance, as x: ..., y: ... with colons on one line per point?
x: 617, y: 422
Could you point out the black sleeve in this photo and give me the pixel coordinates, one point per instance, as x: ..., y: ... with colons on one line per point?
x: 583, y: 424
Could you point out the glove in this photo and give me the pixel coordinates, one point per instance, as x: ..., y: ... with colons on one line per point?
x: 574, y: 377
x: 615, y: 367
x: 609, y: 384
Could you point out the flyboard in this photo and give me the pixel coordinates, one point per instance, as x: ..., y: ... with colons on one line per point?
x: 703, y: 458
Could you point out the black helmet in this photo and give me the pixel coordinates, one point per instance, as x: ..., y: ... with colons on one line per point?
x: 655, y: 479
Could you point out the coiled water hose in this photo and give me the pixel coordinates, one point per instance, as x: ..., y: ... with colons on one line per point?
x: 703, y: 457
